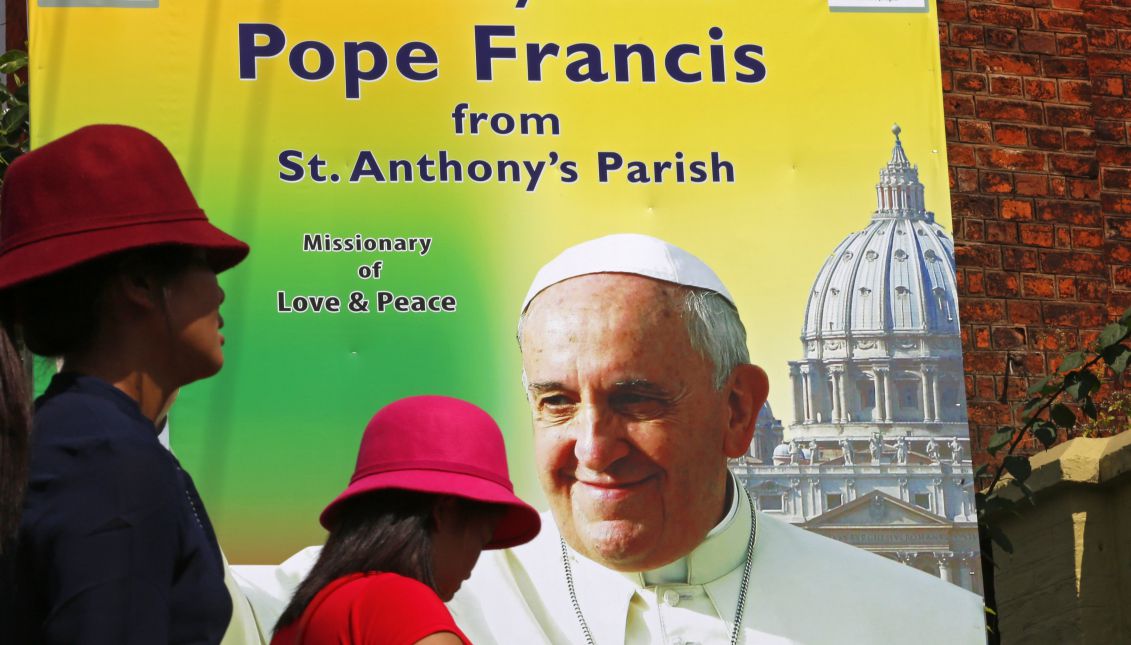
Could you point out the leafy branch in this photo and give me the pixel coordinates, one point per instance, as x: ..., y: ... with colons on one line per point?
x: 1075, y: 383
x: 15, y: 133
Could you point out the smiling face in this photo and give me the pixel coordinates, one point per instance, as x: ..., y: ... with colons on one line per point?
x: 631, y: 437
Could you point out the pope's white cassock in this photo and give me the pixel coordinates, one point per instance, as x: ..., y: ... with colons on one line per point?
x: 803, y: 588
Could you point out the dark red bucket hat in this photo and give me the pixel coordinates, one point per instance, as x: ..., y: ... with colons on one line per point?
x: 96, y: 191
x: 445, y: 446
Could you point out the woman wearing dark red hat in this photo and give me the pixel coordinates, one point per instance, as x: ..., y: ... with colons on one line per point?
x: 430, y: 491
x: 107, y: 262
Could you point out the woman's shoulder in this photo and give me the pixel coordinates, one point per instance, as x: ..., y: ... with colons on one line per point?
x: 81, y: 412
x: 365, y: 605
x: 387, y: 587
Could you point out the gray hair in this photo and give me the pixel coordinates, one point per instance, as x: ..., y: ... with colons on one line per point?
x: 714, y: 328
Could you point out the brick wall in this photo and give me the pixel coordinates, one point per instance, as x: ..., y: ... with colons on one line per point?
x: 1037, y: 108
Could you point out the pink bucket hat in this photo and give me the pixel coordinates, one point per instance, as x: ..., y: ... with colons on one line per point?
x: 445, y: 446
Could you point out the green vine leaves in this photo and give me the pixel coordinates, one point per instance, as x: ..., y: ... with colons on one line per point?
x: 1056, y: 402
x: 14, y: 130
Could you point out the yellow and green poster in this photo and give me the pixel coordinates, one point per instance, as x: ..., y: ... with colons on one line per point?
x: 402, y: 169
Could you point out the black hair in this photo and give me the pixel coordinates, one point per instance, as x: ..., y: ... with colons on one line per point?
x: 57, y: 315
x: 387, y: 530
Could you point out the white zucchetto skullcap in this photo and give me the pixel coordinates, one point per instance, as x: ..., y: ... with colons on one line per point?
x: 628, y: 253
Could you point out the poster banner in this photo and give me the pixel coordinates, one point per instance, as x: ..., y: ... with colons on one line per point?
x: 402, y: 170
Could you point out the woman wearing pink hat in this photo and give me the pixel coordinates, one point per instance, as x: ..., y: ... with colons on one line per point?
x: 107, y: 262
x: 430, y: 491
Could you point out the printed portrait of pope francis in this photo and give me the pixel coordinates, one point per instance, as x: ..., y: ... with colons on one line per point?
x: 638, y: 376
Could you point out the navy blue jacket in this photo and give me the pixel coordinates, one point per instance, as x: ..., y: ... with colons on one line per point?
x: 114, y: 544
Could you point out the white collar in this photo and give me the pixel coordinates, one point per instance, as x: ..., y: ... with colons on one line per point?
x: 720, y: 552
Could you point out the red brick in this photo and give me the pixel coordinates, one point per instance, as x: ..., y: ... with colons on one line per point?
x: 1057, y: 186
x: 1046, y: 138
x: 1066, y: 287
x: 1087, y: 189
x: 1121, y: 277
x: 1018, y: 259
x: 1118, y: 63
x: 1036, y: 286
x: 1079, y: 140
x: 1074, y: 5
x: 975, y: 284
x: 1001, y: 285
x: 952, y: 10
x: 955, y: 58
x: 1081, y: 214
x: 1110, y: 16
x: 1072, y: 314
x: 1036, y: 235
x: 1075, y: 91
x: 1030, y: 185
x: 977, y: 256
x: 973, y: 310
x: 1006, y: 63
x: 974, y: 206
x: 1114, y: 155
x: 1061, y: 21
x: 1066, y: 67
x: 1008, y: 337
x: 1072, y: 45
x: 1074, y: 262
x: 1016, y: 209
x: 1100, y: 38
x: 996, y: 182
x: 1116, y: 203
x: 1037, y: 42
x: 967, y: 35
x: 958, y: 105
x: 1087, y: 238
x: 1006, y: 85
x: 1116, y: 178
x: 982, y: 337
x: 986, y: 362
x: 1068, y: 116
x: 1093, y: 290
x: 967, y: 179
x: 1119, y: 228
x: 1106, y: 107
x: 1117, y: 253
x: 1074, y: 165
x: 1000, y: 15
x: 975, y: 230
x: 1063, y: 237
x: 1040, y: 89
x: 1011, y: 159
x: 989, y: 108
x: 974, y: 131
x: 969, y: 82
x: 985, y: 388
x: 1108, y: 86
x: 960, y: 155
x: 1111, y: 131
x: 1001, y: 232
x: 1022, y: 312
x: 1010, y: 135
x: 1001, y: 38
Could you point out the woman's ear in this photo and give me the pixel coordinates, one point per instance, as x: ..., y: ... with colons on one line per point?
x: 138, y: 290
x: 445, y: 513
x: 748, y: 388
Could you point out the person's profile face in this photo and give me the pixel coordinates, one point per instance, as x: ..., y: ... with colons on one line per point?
x: 456, y: 544
x: 628, y: 427
x: 192, y: 312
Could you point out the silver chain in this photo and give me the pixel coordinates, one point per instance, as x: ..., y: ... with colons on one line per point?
x: 736, y: 629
